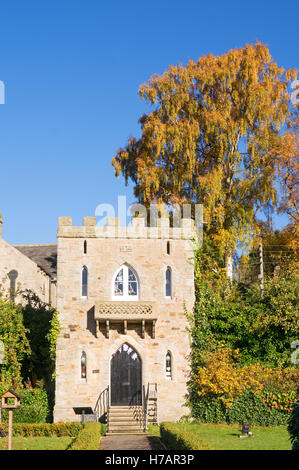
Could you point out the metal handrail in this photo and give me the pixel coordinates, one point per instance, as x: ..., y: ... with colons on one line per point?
x: 145, y: 399
x: 102, y: 405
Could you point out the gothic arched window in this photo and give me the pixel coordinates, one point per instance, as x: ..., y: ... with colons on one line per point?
x: 125, y: 284
x: 84, y: 287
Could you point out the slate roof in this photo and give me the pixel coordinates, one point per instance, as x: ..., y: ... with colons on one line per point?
x: 45, y: 256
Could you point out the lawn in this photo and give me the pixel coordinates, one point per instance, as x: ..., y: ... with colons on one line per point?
x: 37, y: 443
x: 226, y: 437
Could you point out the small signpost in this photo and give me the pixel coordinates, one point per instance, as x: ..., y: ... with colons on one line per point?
x: 10, y: 400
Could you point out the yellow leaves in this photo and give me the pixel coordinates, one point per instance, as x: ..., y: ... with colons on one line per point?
x: 210, y: 119
x: 224, y: 377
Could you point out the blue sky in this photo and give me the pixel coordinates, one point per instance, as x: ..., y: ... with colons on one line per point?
x: 72, y: 70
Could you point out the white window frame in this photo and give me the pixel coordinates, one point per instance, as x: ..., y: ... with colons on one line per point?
x: 125, y: 297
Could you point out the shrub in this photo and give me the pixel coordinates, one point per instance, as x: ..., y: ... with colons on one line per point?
x: 34, y: 407
x: 178, y: 439
x: 226, y: 391
x: 45, y: 429
x: 248, y: 408
x: 293, y: 426
x: 89, y: 437
x: 224, y: 378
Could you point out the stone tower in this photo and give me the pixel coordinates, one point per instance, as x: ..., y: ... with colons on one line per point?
x: 122, y: 294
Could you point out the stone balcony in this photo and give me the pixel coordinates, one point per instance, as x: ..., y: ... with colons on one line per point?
x: 125, y: 312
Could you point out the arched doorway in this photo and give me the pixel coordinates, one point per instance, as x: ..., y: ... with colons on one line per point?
x: 126, y: 377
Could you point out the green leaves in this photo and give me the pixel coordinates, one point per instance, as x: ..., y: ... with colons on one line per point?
x: 13, y: 334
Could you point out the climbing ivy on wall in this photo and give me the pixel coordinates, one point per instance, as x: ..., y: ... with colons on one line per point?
x: 13, y: 333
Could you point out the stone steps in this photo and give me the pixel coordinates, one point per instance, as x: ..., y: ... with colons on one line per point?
x: 122, y: 421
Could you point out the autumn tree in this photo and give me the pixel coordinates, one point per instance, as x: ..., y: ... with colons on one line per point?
x: 289, y: 174
x: 280, y: 254
x: 215, y: 136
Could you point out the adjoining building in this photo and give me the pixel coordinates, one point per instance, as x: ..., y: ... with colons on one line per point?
x: 28, y: 268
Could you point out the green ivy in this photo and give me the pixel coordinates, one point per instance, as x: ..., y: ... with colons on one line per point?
x: 14, y: 336
x: 261, y: 329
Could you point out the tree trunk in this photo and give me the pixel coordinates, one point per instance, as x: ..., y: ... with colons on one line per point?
x: 229, y: 266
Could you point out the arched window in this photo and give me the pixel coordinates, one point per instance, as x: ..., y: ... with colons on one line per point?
x: 125, y: 284
x: 168, y: 365
x: 84, y: 286
x: 168, y: 282
x: 83, y: 365
x: 12, y: 288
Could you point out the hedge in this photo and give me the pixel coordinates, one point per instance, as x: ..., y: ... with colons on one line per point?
x: 89, y: 437
x: 293, y: 426
x: 34, y: 407
x: 247, y: 408
x: 44, y: 429
x: 178, y: 439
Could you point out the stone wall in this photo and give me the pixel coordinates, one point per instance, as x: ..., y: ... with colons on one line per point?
x: 30, y: 276
x: 145, y: 250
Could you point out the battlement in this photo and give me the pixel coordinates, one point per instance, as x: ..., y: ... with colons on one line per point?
x: 89, y: 229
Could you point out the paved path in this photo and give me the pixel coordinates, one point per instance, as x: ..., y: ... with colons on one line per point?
x: 130, y: 442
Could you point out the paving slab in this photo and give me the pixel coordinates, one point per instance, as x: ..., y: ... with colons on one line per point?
x: 131, y: 442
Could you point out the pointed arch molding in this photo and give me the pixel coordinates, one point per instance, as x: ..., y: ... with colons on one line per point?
x: 117, y: 343
x: 125, y: 312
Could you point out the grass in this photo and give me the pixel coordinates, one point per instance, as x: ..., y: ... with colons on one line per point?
x: 37, y: 443
x: 153, y: 430
x: 219, y: 436
x: 226, y: 437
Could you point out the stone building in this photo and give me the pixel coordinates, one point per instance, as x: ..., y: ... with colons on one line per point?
x: 122, y: 294
x: 27, y: 267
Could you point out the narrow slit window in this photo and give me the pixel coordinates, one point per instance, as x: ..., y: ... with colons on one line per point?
x: 168, y: 282
x: 168, y: 248
x: 83, y: 365
x: 84, y: 282
x: 85, y: 247
x: 168, y: 369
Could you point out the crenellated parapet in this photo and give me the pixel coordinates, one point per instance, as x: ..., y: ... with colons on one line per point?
x: 138, y: 229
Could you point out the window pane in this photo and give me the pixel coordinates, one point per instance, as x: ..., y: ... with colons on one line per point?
x: 168, y: 283
x: 83, y: 366
x: 132, y: 276
x: 118, y: 285
x: 168, y: 365
x: 84, y: 282
x: 132, y: 286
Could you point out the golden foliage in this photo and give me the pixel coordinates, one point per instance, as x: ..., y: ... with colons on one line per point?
x: 219, y: 134
x: 223, y: 377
